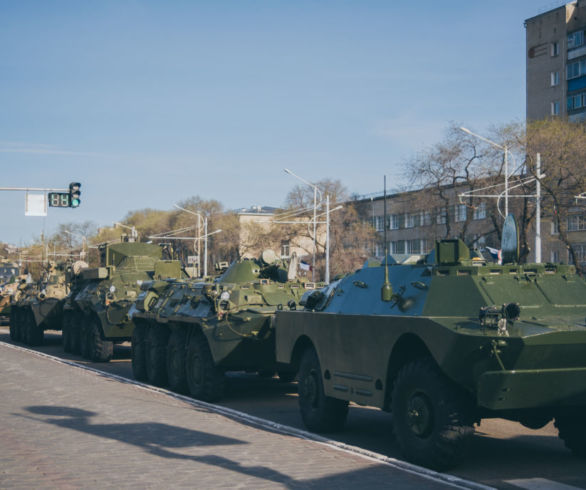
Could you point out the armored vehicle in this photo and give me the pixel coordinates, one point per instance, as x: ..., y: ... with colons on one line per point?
x: 95, y: 315
x: 442, y: 344
x: 188, y: 334
x: 38, y: 306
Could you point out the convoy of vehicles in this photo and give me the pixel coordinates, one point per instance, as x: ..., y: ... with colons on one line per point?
x: 441, y: 343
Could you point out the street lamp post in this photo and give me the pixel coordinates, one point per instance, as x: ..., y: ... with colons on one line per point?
x: 315, y: 191
x: 200, y: 218
x: 505, y: 148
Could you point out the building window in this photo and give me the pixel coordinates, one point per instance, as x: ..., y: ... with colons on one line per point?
x: 555, y: 49
x: 575, y: 39
x: 441, y: 216
x: 576, y: 101
x: 395, y: 222
x: 414, y: 246
x: 579, y: 252
x: 576, y: 222
x: 412, y: 220
x: 379, y: 223
x: 555, y: 108
x: 426, y: 218
x: 554, y: 257
x: 460, y: 213
x: 555, y: 228
x: 576, y: 69
x: 285, y: 249
x: 480, y: 211
x: 555, y: 78
x: 398, y: 247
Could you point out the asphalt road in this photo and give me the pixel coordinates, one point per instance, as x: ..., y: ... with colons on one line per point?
x: 503, y: 454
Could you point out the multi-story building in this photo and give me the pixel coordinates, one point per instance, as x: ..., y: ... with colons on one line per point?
x: 556, y: 63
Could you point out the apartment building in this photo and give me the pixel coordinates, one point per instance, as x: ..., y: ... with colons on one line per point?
x: 556, y: 63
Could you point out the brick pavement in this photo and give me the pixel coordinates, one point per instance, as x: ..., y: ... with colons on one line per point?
x: 65, y: 427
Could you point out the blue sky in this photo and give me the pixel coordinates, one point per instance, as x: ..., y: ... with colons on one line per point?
x: 150, y: 102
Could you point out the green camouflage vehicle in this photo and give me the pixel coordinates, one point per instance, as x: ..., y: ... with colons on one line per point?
x: 441, y: 345
x: 38, y: 306
x: 96, y: 313
x: 188, y: 334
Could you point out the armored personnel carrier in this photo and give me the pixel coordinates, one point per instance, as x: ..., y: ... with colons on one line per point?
x: 188, y: 334
x: 442, y: 344
x: 95, y: 315
x: 38, y: 306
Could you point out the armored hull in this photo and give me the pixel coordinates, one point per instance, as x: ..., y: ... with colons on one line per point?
x: 457, y: 341
x: 37, y: 307
x: 188, y: 334
x: 96, y: 315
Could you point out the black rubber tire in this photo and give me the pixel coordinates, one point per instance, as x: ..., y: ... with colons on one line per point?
x: 432, y: 417
x: 204, y: 380
x: 99, y: 350
x: 320, y: 413
x: 138, y: 353
x: 18, y: 330
x: 84, y: 341
x: 572, y: 430
x: 176, y: 352
x: 13, y: 327
x: 156, y: 354
x: 66, y: 332
x: 76, y: 329
x: 36, y: 335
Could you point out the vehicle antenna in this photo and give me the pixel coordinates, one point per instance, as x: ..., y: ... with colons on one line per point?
x: 386, y: 291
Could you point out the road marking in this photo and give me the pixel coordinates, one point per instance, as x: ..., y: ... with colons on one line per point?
x: 426, y: 473
x: 540, y: 484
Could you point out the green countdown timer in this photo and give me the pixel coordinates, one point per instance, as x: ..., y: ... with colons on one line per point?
x: 59, y: 200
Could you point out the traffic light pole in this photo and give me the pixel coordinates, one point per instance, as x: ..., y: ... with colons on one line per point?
x: 33, y: 189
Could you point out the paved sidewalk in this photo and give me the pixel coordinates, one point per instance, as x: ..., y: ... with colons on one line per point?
x: 65, y: 427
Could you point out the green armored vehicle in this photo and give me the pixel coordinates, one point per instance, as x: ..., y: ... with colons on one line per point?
x: 441, y: 345
x: 38, y: 306
x: 188, y: 334
x: 96, y: 313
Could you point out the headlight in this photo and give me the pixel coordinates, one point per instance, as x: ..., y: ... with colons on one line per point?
x: 112, y: 288
x: 225, y: 296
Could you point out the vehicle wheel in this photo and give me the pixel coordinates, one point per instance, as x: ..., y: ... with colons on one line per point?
x: 432, y: 418
x: 99, y: 350
x: 20, y: 325
x: 156, y: 354
x: 138, y: 353
x: 572, y: 430
x: 17, y: 325
x: 84, y: 342
x: 26, y: 326
x: 176, y: 361
x: 35, y: 332
x: 286, y: 376
x: 204, y: 379
x: 76, y: 331
x: 320, y: 413
x: 66, y: 333
x: 13, y: 324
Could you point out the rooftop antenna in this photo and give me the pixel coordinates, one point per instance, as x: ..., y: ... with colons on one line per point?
x: 386, y: 291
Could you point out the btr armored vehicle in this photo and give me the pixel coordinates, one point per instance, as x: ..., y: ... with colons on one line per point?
x: 38, y: 306
x: 442, y: 344
x: 95, y: 315
x: 188, y: 334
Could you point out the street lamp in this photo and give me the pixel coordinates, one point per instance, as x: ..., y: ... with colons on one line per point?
x: 132, y: 229
x: 83, y: 242
x: 505, y: 148
x: 199, y: 237
x: 315, y: 191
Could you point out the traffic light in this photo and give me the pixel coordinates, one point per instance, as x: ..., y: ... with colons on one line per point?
x: 74, y: 193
